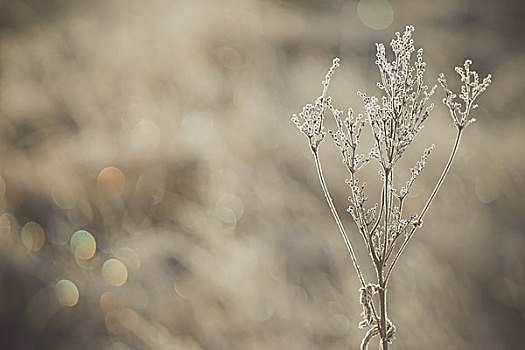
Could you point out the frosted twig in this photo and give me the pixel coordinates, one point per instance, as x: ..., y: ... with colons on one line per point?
x: 395, y: 120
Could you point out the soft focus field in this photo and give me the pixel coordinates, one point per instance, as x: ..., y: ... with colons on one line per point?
x: 162, y: 128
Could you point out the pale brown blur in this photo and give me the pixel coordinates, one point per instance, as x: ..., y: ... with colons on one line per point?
x: 158, y: 132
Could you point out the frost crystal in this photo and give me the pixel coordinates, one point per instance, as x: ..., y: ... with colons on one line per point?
x: 403, y: 109
x: 470, y: 90
x: 313, y: 115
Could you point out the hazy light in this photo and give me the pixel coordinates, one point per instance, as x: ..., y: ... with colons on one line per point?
x: 145, y: 135
x: 59, y: 232
x: 67, y: 293
x: 487, y: 189
x: 340, y: 324
x: 334, y: 307
x: 299, y: 294
x: 129, y: 318
x: 83, y: 245
x: 63, y: 199
x: 376, y: 14
x: 112, y: 322
x: 32, y: 236
x: 230, y: 58
x: 111, y: 181
x: 261, y: 311
x: 98, y: 147
x: 159, y: 334
x: 83, y: 263
x: 185, y: 288
x: 151, y: 187
x: 81, y: 214
x: 8, y: 225
x: 109, y: 302
x: 129, y: 257
x: 2, y: 187
x: 233, y: 202
x: 136, y: 296
x: 119, y: 346
x: 226, y: 215
x: 114, y: 272
x: 95, y: 268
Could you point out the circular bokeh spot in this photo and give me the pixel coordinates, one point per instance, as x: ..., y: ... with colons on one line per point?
x: 129, y: 257
x: 8, y: 225
x: 67, y: 293
x: 145, y: 135
x: 376, y: 14
x: 83, y: 245
x: 114, y: 272
x: 111, y: 182
x: 32, y: 236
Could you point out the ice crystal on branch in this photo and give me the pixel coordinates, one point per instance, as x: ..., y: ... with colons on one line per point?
x: 471, y: 88
x: 313, y: 115
x: 346, y: 139
x: 403, y: 109
x: 415, y: 171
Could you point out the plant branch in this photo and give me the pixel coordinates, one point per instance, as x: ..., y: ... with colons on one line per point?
x: 419, y: 221
x: 382, y: 301
x: 336, y: 217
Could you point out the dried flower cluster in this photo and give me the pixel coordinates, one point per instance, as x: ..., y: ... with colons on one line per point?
x: 394, y: 123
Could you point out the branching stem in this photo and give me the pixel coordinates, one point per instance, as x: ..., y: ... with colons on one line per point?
x: 395, y: 120
x: 336, y: 217
x: 419, y: 221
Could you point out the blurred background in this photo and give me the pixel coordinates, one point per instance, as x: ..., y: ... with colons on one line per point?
x: 155, y: 195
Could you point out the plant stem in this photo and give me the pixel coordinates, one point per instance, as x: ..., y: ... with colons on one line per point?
x: 387, y: 213
x: 339, y: 224
x: 428, y: 203
x: 336, y: 217
x: 382, y: 301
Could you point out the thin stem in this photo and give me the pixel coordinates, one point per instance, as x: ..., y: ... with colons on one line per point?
x: 363, y: 227
x: 376, y: 224
x: 336, y: 217
x: 359, y: 220
x: 442, y: 177
x: 428, y: 203
x: 350, y: 165
x: 382, y: 301
x: 387, y: 213
x: 339, y: 224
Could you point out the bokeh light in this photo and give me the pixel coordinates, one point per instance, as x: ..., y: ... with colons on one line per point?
x: 64, y: 199
x: 115, y: 272
x: 67, y: 293
x: 111, y: 182
x: 32, y: 236
x: 109, y: 302
x: 83, y: 244
x: 8, y: 225
x: 230, y: 58
x: 145, y: 136
x: 232, y: 202
x: 376, y: 14
x: 129, y: 257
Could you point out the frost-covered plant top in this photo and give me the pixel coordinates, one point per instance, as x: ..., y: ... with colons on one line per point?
x: 394, y: 119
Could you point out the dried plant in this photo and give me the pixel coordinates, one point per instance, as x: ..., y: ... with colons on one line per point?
x: 394, y: 123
